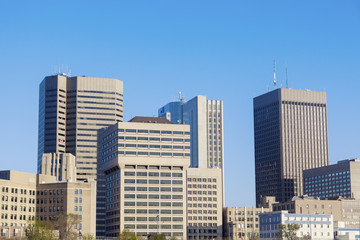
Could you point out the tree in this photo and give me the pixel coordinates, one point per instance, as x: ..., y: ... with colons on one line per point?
x: 88, y: 237
x: 288, y: 231
x: 157, y: 237
x: 126, y: 235
x: 39, y: 230
x: 65, y: 223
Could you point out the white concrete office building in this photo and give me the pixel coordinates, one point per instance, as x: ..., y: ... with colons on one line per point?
x: 145, y: 162
x: 317, y: 226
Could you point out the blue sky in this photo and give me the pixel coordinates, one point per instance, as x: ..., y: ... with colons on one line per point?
x: 221, y: 49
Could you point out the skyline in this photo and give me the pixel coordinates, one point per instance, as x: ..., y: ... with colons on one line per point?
x: 199, y: 54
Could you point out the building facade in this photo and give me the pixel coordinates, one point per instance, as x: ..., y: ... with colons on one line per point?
x: 349, y: 227
x: 315, y: 226
x: 60, y: 165
x: 25, y: 196
x: 205, y: 118
x: 311, y: 205
x: 204, y: 203
x: 242, y: 222
x: 334, y: 181
x: 290, y: 130
x: 64, y: 198
x: 71, y: 111
x: 145, y: 162
x: 18, y: 202
x: 172, y: 111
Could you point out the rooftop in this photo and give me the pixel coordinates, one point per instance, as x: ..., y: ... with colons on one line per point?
x: 150, y: 120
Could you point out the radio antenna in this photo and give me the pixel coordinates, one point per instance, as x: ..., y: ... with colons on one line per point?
x: 274, y: 73
x: 286, y: 75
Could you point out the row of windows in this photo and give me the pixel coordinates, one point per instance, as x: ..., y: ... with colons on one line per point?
x: 153, y: 174
x: 6, y: 198
x: 209, y: 218
x: 50, y: 192
x: 21, y: 191
x: 153, y: 204
x: 203, y: 224
x: 202, y: 192
x: 151, y: 181
x: 165, y: 132
x: 144, y: 211
x: 201, y: 179
x: 202, y: 205
x: 202, y: 211
x: 152, y: 139
x: 153, y: 196
x: 328, y: 175
x: 15, y: 208
x: 134, y: 153
x: 247, y: 212
x: 154, y: 189
x: 202, y: 199
x: 162, y: 211
x: 4, y: 224
x: 87, y: 91
x: 201, y: 186
x: 15, y: 216
x: 155, y: 226
x: 165, y: 147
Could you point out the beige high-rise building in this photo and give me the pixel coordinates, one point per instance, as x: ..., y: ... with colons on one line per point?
x: 290, y: 129
x: 25, y: 196
x: 145, y: 162
x: 242, y: 222
x: 71, y: 111
x: 206, y: 121
x: 204, y: 203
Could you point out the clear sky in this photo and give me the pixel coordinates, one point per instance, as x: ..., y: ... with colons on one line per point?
x: 221, y: 49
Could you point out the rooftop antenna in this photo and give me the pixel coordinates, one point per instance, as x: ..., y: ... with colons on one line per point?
x: 274, y: 73
x: 181, y: 97
x: 286, y: 75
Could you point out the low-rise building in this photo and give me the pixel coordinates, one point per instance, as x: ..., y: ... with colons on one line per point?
x: 349, y: 227
x: 18, y: 201
x: 316, y: 226
x: 311, y: 205
x: 204, y: 203
x: 25, y: 196
x: 242, y: 222
x: 64, y: 198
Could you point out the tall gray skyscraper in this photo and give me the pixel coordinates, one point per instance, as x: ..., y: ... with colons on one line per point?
x: 290, y: 130
x: 71, y: 112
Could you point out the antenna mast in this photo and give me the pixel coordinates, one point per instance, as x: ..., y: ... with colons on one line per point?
x: 286, y: 77
x: 274, y: 73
